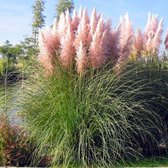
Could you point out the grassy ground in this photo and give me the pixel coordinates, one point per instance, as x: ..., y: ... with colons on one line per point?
x: 147, y: 162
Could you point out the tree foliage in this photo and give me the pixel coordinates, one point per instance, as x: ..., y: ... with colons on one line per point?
x: 10, y: 52
x: 63, y: 5
x: 38, y: 17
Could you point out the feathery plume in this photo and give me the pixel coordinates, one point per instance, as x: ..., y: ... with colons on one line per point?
x: 153, y: 33
x: 67, y: 48
x: 81, y: 59
x: 80, y: 14
x: 48, y: 45
x: 98, y: 47
x: 125, y: 42
x: 54, y: 27
x: 83, y: 31
x: 115, y: 43
x: 48, y: 42
x: 61, y: 28
x: 93, y: 21
x: 157, y: 40
x: 138, y: 44
x: 75, y: 21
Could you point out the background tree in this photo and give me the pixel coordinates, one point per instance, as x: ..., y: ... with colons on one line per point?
x: 63, y: 5
x: 28, y: 48
x: 38, y: 18
x: 9, y: 62
x: 10, y: 53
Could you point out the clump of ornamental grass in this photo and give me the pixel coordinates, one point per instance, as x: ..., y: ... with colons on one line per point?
x: 81, y: 112
x: 94, y: 119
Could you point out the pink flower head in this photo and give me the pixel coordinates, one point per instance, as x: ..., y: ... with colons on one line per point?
x: 81, y: 59
x: 61, y: 27
x: 82, y: 33
x: 157, y: 40
x: 48, y: 45
x: 75, y: 21
x: 80, y: 14
x: 67, y: 18
x: 125, y: 41
x: 115, y: 43
x: 99, y: 45
x: 54, y: 28
x: 153, y: 33
x: 93, y: 21
x: 138, y: 42
x: 67, y: 48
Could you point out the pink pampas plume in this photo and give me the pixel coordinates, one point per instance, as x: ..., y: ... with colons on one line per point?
x: 150, y: 32
x: 96, y: 57
x: 166, y: 41
x: 138, y: 45
x: 67, y: 17
x: 115, y: 43
x: 148, y: 44
x: 80, y: 14
x: 153, y: 33
x: 61, y: 27
x: 75, y: 21
x: 54, y: 27
x: 107, y: 25
x: 108, y: 41
x: 151, y: 26
x: 81, y: 59
x: 82, y: 33
x: 48, y: 42
x: 125, y: 42
x: 157, y: 40
x: 47, y: 64
x: 148, y: 23
x: 98, y: 47
x: 93, y: 21
x: 93, y: 24
x: 154, y: 23
x: 106, y: 46
x: 48, y: 46
x: 67, y: 49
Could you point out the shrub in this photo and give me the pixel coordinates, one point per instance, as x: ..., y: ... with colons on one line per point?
x: 2, y: 66
x: 15, y: 147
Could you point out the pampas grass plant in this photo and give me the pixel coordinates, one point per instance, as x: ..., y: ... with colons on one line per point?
x: 91, y: 106
x: 94, y: 119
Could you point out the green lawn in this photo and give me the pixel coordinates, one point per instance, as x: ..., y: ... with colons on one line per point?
x: 150, y: 162
x: 145, y: 162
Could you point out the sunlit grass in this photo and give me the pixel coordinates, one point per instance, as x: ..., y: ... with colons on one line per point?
x: 96, y: 119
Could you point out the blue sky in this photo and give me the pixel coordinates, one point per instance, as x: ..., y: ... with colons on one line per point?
x: 16, y: 15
